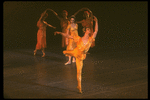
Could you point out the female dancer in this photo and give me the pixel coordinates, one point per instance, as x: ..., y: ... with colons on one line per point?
x: 41, y: 34
x: 87, y: 22
x: 72, y: 29
x: 83, y: 45
x: 68, y: 28
x: 64, y: 22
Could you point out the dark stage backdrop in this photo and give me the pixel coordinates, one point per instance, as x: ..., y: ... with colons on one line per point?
x: 122, y: 25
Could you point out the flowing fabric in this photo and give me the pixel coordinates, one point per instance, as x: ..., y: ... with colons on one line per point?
x: 41, y: 36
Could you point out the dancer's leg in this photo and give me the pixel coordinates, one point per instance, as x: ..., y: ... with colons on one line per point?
x: 79, y: 65
x: 69, y: 61
x: 74, y: 60
x: 43, y: 52
x: 35, y: 51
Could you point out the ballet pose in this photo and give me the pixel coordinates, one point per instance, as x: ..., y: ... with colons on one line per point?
x: 72, y: 29
x: 83, y: 45
x: 41, y: 34
x: 87, y: 22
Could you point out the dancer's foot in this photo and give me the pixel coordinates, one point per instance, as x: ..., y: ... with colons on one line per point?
x: 43, y: 54
x: 74, y: 60
x: 69, y: 62
x: 34, y: 52
x: 79, y: 89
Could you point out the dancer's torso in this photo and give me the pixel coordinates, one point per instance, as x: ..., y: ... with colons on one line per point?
x: 64, y: 23
x: 73, y: 30
x: 84, y: 47
x: 41, y: 26
x: 86, y: 22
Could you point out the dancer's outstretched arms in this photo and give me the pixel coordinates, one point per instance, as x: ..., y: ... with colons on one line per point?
x: 54, y: 13
x: 77, y: 12
x: 96, y: 27
x: 64, y: 34
x: 82, y: 10
x: 49, y: 24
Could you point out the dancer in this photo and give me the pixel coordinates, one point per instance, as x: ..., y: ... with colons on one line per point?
x: 72, y: 29
x: 41, y: 34
x: 64, y: 22
x: 83, y: 45
x: 68, y: 27
x: 87, y: 22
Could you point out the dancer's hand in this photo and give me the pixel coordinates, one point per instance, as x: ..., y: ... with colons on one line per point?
x: 95, y: 19
x: 56, y: 32
x: 43, y: 13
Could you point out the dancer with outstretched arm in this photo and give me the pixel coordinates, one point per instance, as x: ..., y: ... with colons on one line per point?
x: 41, y: 34
x: 83, y: 45
x: 64, y: 22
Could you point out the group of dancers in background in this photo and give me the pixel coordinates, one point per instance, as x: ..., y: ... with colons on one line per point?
x: 76, y: 46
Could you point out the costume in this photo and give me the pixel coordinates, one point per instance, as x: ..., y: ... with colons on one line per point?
x: 81, y: 49
x: 80, y: 54
x: 41, y: 36
x: 87, y: 23
x: 73, y: 31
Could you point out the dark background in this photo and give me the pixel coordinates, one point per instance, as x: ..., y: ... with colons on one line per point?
x: 123, y: 26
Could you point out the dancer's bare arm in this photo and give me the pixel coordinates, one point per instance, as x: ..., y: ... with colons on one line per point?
x: 64, y: 34
x: 54, y: 13
x: 82, y: 9
x: 96, y: 27
x: 49, y: 24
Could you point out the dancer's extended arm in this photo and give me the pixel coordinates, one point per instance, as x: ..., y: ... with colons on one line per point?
x: 82, y: 10
x: 49, y: 24
x: 64, y: 34
x: 54, y: 13
x: 96, y: 27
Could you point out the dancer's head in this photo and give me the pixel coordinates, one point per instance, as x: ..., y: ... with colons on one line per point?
x: 64, y: 13
x: 72, y: 19
x: 86, y: 14
x: 87, y: 30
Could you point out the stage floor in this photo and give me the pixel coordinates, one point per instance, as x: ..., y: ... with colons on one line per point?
x: 103, y: 76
